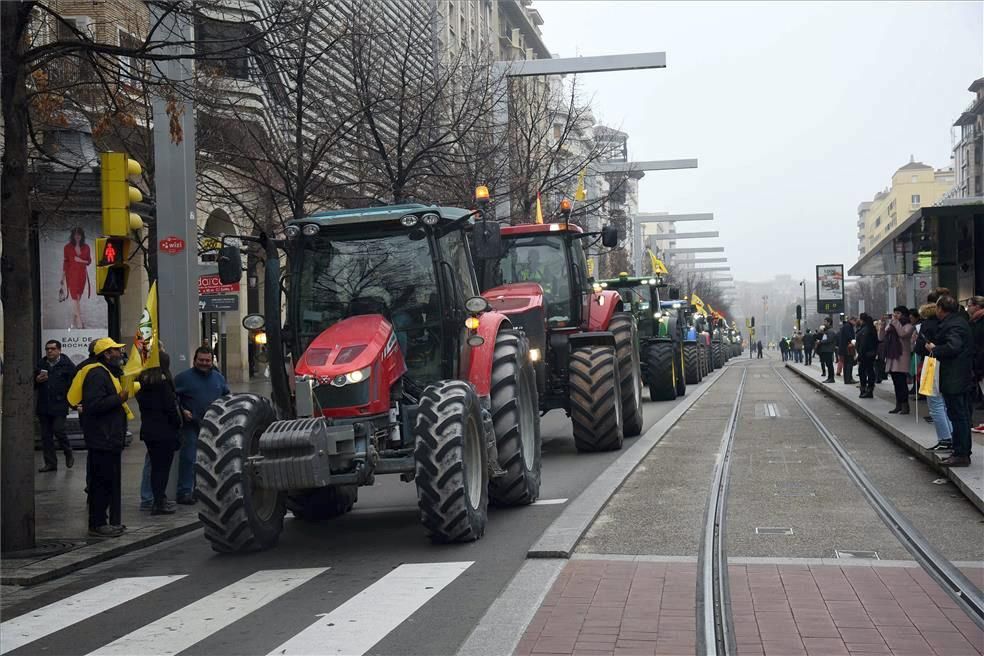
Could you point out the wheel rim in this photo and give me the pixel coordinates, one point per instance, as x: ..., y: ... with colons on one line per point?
x: 264, y: 501
x: 472, y: 461
x: 526, y: 427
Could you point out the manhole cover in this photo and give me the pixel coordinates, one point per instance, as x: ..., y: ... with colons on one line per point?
x: 847, y: 553
x: 46, y: 549
x: 773, y: 530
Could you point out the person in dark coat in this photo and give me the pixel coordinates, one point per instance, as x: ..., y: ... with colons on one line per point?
x: 52, y: 379
x: 844, y: 343
x: 758, y: 348
x: 197, y: 388
x: 975, y: 310
x: 160, y: 421
x: 784, y: 349
x: 809, y: 343
x: 826, y: 347
x: 928, y: 328
x: 954, y: 348
x: 103, y: 418
x: 866, y: 345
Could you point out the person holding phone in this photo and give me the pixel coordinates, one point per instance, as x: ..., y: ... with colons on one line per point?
x: 52, y: 378
x: 897, y: 336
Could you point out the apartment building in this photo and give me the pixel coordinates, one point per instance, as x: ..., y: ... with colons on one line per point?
x: 968, y: 150
x: 914, y: 185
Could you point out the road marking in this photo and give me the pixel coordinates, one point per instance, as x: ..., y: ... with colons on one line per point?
x: 548, y: 502
x: 368, y: 617
x: 197, y: 621
x: 773, y: 530
x: 54, y: 617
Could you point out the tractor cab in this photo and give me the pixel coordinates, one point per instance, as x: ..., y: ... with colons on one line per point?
x: 640, y: 297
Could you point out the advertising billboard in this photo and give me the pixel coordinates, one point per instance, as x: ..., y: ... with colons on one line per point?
x: 71, y: 311
x: 830, y: 288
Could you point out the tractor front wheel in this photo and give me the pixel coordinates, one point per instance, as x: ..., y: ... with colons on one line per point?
x: 451, y: 462
x: 717, y: 354
x: 680, y: 362
x: 691, y: 362
x: 237, y: 514
x: 596, y: 404
x: 516, y: 421
x: 623, y: 326
x: 662, y: 371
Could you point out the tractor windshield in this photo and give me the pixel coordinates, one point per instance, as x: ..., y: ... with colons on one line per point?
x: 637, y: 301
x: 541, y: 259
x: 387, y: 274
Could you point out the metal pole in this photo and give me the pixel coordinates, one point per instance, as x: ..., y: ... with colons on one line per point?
x: 222, y: 345
x: 174, y: 182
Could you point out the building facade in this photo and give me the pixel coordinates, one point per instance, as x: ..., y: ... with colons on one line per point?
x: 968, y: 151
x: 914, y: 185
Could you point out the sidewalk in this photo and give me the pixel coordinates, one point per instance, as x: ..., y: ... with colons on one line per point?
x: 61, y: 520
x: 910, y: 431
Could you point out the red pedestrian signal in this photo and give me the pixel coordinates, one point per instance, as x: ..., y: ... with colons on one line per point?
x: 112, y: 271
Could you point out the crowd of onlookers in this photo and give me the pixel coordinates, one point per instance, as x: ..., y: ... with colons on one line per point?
x: 898, y: 347
x: 171, y: 412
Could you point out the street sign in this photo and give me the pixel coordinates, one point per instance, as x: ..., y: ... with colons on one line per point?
x: 830, y: 288
x: 218, y: 303
x: 212, y: 284
x: 171, y: 245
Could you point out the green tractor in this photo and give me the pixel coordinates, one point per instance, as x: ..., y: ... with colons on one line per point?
x: 660, y: 334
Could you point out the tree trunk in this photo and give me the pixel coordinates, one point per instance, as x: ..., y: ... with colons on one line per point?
x: 17, y: 292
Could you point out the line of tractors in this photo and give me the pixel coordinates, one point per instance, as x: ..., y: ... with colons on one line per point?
x: 427, y: 342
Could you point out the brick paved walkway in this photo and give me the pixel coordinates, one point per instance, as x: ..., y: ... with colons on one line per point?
x: 599, y: 607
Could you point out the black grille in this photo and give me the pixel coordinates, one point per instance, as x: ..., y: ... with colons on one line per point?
x: 346, y: 396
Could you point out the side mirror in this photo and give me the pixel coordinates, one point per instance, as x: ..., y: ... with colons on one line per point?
x: 488, y: 240
x: 609, y: 236
x: 674, y: 292
x: 230, y: 265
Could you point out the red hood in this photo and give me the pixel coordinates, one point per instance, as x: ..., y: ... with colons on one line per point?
x: 515, y: 297
x: 371, y: 333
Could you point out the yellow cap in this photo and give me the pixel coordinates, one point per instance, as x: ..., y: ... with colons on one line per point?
x: 104, y: 343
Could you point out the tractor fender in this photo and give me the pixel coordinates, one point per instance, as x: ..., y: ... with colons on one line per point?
x: 596, y: 338
x: 601, y: 307
x: 479, y: 364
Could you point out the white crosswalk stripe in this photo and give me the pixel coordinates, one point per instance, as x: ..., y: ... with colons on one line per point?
x: 197, y: 621
x: 37, y: 624
x: 368, y: 617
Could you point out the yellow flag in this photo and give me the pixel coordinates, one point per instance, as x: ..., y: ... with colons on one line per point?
x: 658, y: 267
x: 699, y: 304
x: 581, y: 194
x: 145, y: 352
x: 539, y: 210
x: 590, y: 267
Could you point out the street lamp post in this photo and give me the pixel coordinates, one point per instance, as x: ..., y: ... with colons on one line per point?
x: 803, y: 285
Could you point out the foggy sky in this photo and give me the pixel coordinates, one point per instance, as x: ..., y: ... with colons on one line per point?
x: 796, y: 112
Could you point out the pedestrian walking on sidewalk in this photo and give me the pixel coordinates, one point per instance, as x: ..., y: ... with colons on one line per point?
x: 928, y: 329
x: 797, y: 347
x: 759, y: 349
x: 103, y: 417
x: 160, y: 421
x: 52, y: 380
x: 826, y: 349
x: 845, y: 348
x: 975, y: 309
x: 954, y: 348
x: 896, y: 332
x: 866, y: 345
x: 809, y: 343
x: 784, y: 349
x: 197, y: 389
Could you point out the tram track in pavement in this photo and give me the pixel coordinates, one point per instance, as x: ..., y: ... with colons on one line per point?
x: 715, y: 627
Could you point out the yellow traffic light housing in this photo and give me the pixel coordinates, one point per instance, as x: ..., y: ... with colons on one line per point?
x: 118, y: 194
x: 112, y: 270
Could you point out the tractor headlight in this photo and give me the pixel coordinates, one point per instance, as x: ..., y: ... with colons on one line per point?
x: 292, y: 231
x: 408, y: 220
x: 431, y: 218
x: 350, y: 378
x: 534, y: 355
x: 676, y: 306
x: 311, y: 229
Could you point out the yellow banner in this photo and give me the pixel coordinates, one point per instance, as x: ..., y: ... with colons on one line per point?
x: 145, y: 352
x: 539, y: 210
x: 581, y: 194
x: 658, y: 267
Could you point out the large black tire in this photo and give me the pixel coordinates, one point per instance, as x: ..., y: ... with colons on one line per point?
x: 717, y: 353
x: 623, y: 326
x: 708, y: 358
x: 451, y: 462
x: 662, y: 371
x: 596, y: 405
x: 516, y: 421
x: 691, y: 362
x: 681, y: 364
x: 323, y: 503
x: 236, y: 514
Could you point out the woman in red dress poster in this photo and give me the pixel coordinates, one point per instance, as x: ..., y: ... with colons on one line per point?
x: 75, y: 274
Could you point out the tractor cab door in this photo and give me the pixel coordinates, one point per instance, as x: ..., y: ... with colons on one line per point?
x: 458, y: 283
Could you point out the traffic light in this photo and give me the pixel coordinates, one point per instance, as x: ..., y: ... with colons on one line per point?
x: 799, y: 312
x: 753, y: 322
x: 118, y: 194
x: 112, y: 270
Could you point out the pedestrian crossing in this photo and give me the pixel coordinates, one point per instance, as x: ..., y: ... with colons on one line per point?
x: 351, y: 629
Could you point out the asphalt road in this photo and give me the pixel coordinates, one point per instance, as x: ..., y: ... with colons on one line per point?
x: 385, y: 587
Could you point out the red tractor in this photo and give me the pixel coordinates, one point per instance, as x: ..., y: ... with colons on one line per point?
x: 588, y: 360
x: 403, y: 369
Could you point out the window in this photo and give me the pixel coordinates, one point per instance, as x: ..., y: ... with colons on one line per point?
x: 219, y: 42
x: 915, y: 200
x: 129, y: 67
x: 72, y: 69
x: 878, y: 222
x: 915, y: 179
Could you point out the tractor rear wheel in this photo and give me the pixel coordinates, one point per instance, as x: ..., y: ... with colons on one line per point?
x: 623, y: 326
x: 681, y: 366
x: 516, y: 421
x: 238, y: 515
x: 691, y: 361
x: 451, y: 462
x: 718, y: 354
x: 596, y: 405
x: 662, y: 371
x: 323, y: 503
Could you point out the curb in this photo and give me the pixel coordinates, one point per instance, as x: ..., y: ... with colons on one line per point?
x: 562, y: 536
x: 899, y: 436
x: 72, y: 561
